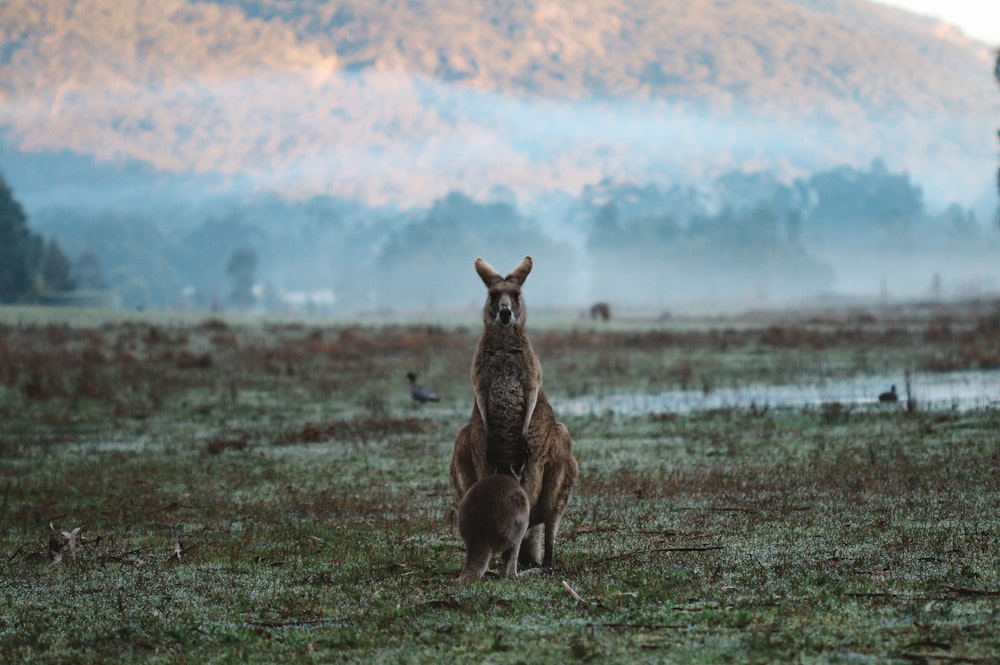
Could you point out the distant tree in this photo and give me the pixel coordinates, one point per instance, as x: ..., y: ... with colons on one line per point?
x: 960, y: 225
x: 848, y: 199
x: 131, y: 252
x: 20, y: 250
x: 203, y: 252
x: 55, y: 269
x: 996, y: 75
x: 242, y: 270
x: 746, y: 191
x: 427, y: 261
x: 745, y: 249
x: 88, y: 273
x: 631, y: 201
x: 606, y: 225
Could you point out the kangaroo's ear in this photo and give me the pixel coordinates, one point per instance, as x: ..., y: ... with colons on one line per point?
x: 520, y: 273
x: 487, y: 273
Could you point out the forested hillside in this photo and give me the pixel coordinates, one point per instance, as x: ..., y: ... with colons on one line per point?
x: 404, y: 101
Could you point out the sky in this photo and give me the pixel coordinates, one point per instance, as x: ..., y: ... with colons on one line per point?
x: 979, y: 19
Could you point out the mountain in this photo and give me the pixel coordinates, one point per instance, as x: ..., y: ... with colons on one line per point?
x: 394, y: 102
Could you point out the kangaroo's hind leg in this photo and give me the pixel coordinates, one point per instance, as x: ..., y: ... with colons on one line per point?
x: 510, y: 562
x: 531, y: 547
x: 560, y: 474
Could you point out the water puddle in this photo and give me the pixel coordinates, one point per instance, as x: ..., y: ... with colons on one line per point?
x: 932, y: 391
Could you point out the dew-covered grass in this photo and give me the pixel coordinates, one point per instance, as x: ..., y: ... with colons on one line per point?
x: 216, y: 490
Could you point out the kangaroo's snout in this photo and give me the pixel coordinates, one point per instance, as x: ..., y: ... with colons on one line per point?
x: 505, y: 309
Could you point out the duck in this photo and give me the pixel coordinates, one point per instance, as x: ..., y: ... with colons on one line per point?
x: 889, y: 396
x: 419, y: 393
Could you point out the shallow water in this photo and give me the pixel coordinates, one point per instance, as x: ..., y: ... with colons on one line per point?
x: 931, y: 391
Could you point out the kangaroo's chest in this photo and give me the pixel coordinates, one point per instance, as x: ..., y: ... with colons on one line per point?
x: 504, y: 386
x: 504, y: 380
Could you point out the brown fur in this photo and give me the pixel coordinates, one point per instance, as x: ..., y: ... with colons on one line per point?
x: 492, y: 517
x: 512, y: 425
x: 600, y: 311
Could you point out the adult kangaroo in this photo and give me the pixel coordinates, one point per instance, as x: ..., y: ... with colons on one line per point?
x: 513, y: 427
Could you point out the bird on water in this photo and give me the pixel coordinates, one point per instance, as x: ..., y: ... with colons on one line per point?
x: 889, y: 396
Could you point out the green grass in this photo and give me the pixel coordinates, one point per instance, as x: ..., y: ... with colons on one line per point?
x: 283, y: 501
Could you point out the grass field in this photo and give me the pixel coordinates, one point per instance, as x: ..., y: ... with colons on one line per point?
x: 188, y: 489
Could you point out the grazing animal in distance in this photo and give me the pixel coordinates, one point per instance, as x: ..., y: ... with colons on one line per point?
x: 889, y: 397
x: 512, y: 425
x: 492, y: 517
x: 600, y: 311
x: 419, y: 393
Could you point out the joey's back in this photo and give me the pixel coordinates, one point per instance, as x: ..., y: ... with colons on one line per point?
x: 492, y: 517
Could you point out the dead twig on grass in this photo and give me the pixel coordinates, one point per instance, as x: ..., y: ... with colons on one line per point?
x: 894, y: 596
x: 596, y: 603
x: 17, y: 552
x: 941, y: 658
x: 965, y: 591
x: 574, y: 595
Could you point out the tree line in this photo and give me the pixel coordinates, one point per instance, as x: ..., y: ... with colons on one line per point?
x: 616, y: 240
x: 30, y: 265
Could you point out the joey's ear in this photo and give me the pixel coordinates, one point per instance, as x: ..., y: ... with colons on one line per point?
x: 520, y: 273
x: 487, y: 273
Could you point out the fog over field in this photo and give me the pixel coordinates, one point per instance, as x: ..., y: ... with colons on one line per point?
x: 852, y: 155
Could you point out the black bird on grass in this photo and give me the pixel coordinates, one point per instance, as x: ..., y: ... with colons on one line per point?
x: 419, y: 393
x: 889, y: 397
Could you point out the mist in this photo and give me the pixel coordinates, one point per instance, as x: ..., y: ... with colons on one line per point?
x: 395, y: 139
x: 374, y: 192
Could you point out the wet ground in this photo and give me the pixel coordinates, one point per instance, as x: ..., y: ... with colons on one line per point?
x: 931, y: 391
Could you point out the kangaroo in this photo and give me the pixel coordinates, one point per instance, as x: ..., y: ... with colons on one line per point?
x: 600, y: 311
x: 512, y: 424
x: 492, y: 517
